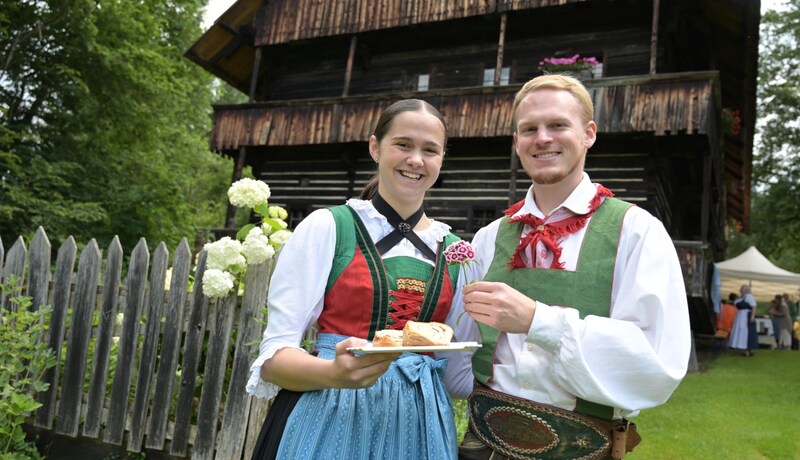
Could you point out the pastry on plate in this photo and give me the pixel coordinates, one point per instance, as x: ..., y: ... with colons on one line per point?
x: 416, y: 334
x: 388, y: 338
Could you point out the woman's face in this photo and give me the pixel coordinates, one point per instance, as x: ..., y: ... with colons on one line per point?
x: 409, y: 157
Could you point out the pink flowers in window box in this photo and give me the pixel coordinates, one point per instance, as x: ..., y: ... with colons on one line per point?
x: 574, y: 63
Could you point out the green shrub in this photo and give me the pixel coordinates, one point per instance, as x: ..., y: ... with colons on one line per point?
x: 24, y: 357
x: 461, y: 418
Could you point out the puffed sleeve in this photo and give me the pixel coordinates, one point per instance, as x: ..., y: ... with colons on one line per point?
x: 635, y: 358
x: 296, y: 292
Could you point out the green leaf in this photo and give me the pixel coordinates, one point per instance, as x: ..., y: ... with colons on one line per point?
x: 242, y: 233
x: 276, y: 224
x: 262, y: 209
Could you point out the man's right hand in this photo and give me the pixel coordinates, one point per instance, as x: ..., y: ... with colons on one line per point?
x: 500, y: 306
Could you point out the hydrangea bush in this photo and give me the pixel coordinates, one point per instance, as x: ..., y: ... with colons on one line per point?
x: 228, y: 258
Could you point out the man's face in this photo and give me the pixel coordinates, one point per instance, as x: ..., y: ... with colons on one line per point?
x: 551, y: 138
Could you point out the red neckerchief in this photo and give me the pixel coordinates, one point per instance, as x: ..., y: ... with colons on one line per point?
x: 550, y: 233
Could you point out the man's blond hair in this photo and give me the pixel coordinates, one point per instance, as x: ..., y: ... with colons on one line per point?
x: 557, y: 81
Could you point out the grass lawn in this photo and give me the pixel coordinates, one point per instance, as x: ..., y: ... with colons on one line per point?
x: 737, y: 408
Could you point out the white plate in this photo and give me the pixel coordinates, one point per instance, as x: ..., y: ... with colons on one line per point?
x: 452, y: 346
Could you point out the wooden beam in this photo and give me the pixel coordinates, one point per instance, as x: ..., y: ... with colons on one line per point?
x: 498, y: 68
x: 512, y: 186
x: 349, y: 71
x: 705, y: 207
x: 254, y: 75
x: 654, y: 39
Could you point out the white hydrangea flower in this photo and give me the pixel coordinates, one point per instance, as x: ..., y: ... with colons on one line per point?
x: 280, y: 237
x: 217, y: 283
x: 225, y: 254
x: 256, y: 247
x: 278, y: 212
x: 248, y: 193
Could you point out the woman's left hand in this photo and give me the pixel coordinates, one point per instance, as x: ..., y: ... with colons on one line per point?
x: 351, y: 371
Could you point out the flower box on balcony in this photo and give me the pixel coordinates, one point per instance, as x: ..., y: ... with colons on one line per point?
x: 580, y: 67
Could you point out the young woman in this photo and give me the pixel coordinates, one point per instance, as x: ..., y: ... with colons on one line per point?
x: 372, y: 264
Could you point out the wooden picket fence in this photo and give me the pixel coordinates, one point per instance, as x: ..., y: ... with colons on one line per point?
x: 178, y: 385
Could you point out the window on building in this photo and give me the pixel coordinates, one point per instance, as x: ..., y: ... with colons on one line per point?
x: 423, y: 82
x: 488, y: 76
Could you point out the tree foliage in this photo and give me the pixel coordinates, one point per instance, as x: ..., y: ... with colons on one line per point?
x: 776, y: 168
x: 104, y: 123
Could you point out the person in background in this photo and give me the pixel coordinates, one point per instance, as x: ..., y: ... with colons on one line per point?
x: 372, y: 264
x: 780, y: 311
x: 776, y: 320
x: 794, y: 314
x: 744, y: 336
x: 725, y: 322
x: 737, y: 339
x: 582, y: 310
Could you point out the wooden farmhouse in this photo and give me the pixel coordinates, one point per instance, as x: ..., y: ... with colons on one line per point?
x: 674, y: 95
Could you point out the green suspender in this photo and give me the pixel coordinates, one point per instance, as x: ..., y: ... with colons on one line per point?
x: 588, y: 288
x: 433, y: 287
x: 351, y: 231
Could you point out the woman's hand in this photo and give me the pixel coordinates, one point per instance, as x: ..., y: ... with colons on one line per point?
x: 351, y: 371
x: 296, y: 370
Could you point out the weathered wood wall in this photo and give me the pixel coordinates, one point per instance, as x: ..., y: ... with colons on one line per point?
x: 453, y: 55
x: 167, y: 378
x: 312, y: 153
x: 667, y: 104
x: 286, y: 20
x: 475, y: 186
x: 396, y: 49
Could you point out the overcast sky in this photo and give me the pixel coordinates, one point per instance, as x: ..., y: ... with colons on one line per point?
x: 214, y: 10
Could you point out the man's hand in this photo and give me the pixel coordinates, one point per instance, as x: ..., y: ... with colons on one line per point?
x: 500, y: 306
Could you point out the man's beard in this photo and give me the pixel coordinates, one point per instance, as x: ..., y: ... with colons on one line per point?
x: 549, y: 177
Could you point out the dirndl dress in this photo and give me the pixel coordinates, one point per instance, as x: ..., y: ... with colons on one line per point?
x: 407, y: 413
x: 738, y: 338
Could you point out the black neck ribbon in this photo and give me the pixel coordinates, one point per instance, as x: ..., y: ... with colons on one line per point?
x: 402, y: 228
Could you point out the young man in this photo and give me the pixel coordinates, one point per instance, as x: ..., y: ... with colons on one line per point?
x: 582, y: 310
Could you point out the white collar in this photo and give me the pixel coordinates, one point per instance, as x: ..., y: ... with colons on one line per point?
x: 432, y: 235
x: 577, y: 202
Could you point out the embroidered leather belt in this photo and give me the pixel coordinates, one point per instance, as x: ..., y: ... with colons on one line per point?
x: 526, y: 430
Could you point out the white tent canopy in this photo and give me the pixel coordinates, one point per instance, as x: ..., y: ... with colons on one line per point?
x: 752, y: 265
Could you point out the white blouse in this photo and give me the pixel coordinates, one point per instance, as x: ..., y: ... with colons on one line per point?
x: 297, y: 287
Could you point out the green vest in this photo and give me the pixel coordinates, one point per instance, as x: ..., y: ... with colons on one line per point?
x: 587, y: 289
